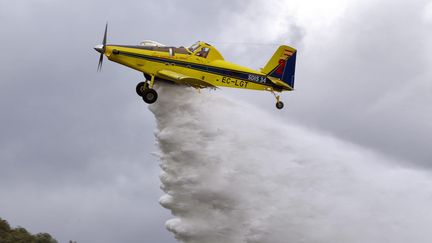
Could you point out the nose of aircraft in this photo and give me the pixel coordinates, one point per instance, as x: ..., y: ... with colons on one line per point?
x: 99, y: 48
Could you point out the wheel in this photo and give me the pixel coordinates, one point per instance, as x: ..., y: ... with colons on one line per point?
x: 149, y: 96
x: 141, y: 87
x: 279, y: 105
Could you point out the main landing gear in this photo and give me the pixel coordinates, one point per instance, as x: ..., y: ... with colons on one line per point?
x: 146, y: 91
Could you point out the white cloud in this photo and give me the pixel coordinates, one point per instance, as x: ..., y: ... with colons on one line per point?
x: 427, y: 14
x: 352, y: 56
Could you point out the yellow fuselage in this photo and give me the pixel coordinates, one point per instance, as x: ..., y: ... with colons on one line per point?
x: 212, y: 69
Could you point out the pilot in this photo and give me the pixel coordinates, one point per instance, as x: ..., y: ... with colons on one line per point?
x: 203, y: 52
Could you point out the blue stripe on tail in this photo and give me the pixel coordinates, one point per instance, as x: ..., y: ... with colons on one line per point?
x: 285, y: 71
x: 289, y: 70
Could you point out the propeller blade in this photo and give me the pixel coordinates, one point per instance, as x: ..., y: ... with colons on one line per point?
x: 105, y: 36
x: 100, y: 62
x: 101, y: 48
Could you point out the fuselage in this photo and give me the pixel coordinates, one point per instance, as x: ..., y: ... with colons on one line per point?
x: 209, y: 67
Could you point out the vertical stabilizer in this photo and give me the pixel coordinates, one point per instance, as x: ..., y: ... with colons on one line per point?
x: 282, y: 65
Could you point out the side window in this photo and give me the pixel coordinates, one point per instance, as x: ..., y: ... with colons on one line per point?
x: 203, y: 52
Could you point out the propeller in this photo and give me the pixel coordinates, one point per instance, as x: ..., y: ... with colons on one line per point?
x: 101, y: 48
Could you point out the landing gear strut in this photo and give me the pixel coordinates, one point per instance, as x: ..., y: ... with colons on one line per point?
x: 146, y: 91
x: 279, y: 104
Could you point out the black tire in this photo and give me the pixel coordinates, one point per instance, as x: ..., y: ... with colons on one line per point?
x: 141, y: 87
x: 150, y: 96
x: 279, y: 105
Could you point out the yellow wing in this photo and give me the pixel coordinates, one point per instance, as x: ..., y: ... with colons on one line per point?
x: 183, y: 79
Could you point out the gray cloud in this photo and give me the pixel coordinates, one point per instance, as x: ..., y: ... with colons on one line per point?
x: 381, y: 54
x: 75, y: 144
x: 363, y: 77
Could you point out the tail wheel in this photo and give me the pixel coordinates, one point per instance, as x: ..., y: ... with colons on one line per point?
x: 279, y: 105
x: 141, y: 87
x: 149, y: 96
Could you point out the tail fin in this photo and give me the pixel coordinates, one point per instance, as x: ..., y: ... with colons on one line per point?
x: 281, y: 67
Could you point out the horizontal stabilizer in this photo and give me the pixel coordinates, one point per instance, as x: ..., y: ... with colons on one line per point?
x: 279, y: 82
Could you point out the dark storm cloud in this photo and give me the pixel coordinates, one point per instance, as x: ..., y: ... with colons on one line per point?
x: 74, y: 143
x: 48, y: 87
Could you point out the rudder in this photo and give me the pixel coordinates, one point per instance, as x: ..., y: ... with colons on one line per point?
x: 282, y: 65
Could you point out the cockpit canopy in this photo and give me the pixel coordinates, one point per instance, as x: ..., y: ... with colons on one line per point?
x: 199, y: 49
x: 205, y: 50
x: 150, y: 43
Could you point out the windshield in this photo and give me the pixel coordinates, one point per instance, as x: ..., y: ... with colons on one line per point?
x: 194, y: 47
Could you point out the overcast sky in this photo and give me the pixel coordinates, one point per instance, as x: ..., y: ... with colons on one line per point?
x: 75, y: 145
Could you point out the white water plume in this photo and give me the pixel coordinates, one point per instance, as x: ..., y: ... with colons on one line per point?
x: 235, y: 174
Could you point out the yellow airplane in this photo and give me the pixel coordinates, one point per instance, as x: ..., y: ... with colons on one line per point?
x: 199, y: 66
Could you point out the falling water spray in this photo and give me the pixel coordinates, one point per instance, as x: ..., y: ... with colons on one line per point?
x: 233, y: 173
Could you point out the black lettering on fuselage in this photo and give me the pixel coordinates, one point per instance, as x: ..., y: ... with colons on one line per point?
x: 234, y: 82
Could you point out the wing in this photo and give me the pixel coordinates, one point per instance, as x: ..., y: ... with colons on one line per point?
x: 185, y: 80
